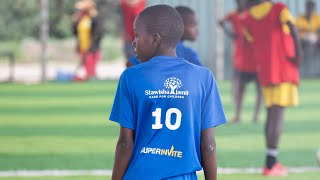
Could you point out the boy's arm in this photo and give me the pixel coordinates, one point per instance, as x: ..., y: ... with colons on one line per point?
x: 123, y: 153
x: 208, y: 154
x: 287, y: 18
x: 297, y: 43
x: 222, y: 23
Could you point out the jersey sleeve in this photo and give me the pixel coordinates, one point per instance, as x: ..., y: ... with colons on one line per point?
x: 286, y: 16
x: 122, y: 109
x: 212, y: 114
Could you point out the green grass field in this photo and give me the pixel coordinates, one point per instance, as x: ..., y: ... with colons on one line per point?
x: 65, y: 126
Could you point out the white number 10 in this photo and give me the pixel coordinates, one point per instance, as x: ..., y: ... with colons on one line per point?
x: 157, y: 115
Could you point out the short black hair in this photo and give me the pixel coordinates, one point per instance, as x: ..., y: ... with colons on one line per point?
x: 311, y: 2
x: 164, y: 20
x: 185, y: 13
x: 251, y: 3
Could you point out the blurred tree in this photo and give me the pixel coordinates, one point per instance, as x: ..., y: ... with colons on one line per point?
x: 109, y: 11
x: 20, y: 18
x: 60, y: 12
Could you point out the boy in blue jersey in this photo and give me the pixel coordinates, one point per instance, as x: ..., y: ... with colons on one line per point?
x: 166, y: 114
x: 190, y: 34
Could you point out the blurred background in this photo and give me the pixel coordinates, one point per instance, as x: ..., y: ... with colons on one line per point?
x: 20, y: 37
x: 51, y: 123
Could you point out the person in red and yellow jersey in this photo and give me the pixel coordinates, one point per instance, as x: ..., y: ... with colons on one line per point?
x: 244, y: 65
x: 276, y: 47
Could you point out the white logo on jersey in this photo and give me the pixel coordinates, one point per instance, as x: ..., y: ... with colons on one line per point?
x: 172, y: 85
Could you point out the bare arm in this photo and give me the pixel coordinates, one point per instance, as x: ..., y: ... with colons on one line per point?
x: 208, y: 154
x: 222, y: 23
x: 123, y: 153
x: 297, y: 43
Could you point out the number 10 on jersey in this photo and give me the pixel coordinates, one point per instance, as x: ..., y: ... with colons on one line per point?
x: 169, y: 125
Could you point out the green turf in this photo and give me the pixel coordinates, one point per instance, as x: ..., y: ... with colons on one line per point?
x: 304, y: 176
x: 64, y: 126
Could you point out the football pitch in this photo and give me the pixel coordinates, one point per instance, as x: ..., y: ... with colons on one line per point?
x: 57, y: 126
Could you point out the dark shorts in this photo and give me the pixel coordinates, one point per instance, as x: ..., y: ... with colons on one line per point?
x: 246, y: 77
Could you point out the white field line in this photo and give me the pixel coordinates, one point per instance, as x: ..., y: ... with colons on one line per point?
x: 108, y: 172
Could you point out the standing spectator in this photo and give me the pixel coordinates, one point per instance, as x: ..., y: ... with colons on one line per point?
x: 130, y: 9
x: 244, y: 65
x: 88, y: 30
x: 190, y: 34
x: 308, y: 25
x: 277, y: 49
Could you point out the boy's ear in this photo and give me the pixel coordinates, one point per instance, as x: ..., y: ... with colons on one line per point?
x: 156, y: 40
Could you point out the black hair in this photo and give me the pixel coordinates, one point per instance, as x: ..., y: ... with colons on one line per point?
x: 185, y: 13
x: 251, y: 3
x: 311, y: 2
x: 165, y: 21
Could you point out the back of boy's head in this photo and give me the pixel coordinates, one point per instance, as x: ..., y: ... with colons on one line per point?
x: 165, y: 21
x: 185, y: 13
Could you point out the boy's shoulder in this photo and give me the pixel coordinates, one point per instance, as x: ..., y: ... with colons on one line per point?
x: 133, y: 69
x: 151, y: 66
x: 137, y: 75
x: 142, y: 67
x: 201, y: 71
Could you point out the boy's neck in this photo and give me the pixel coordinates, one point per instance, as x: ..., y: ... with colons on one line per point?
x: 166, y: 52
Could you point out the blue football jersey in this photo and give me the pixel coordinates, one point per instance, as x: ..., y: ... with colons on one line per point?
x: 134, y: 60
x: 188, y: 53
x: 167, y: 102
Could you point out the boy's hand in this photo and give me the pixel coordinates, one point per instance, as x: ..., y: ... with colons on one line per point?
x: 297, y: 59
x: 221, y: 23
